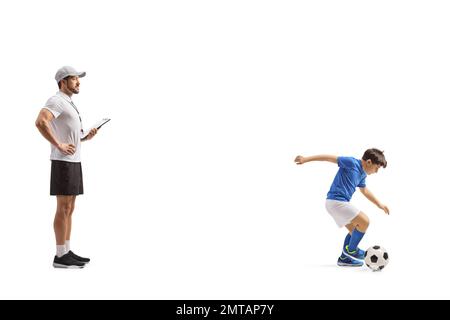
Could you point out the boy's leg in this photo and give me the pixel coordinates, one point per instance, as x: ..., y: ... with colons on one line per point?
x: 360, y: 224
x: 344, y: 260
x: 349, y: 235
x: 347, y: 239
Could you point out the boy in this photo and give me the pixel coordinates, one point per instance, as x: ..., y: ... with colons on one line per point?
x: 352, y: 173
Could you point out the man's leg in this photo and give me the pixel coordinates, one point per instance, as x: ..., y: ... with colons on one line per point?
x: 62, y: 216
x: 68, y: 233
x: 69, y: 223
x: 63, y: 210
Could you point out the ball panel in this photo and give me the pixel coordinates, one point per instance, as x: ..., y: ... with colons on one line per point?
x: 374, y: 258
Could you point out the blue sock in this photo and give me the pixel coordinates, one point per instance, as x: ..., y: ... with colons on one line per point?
x: 355, y: 239
x: 347, y: 239
x: 346, y: 242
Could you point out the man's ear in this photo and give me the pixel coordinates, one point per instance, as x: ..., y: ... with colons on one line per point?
x: 369, y: 161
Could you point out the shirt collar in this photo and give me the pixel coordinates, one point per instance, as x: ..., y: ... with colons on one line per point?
x: 361, y: 168
x: 63, y: 95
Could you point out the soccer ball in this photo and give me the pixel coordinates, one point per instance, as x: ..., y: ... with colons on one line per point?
x: 376, y: 258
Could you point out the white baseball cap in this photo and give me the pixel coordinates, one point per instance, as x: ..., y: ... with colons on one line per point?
x: 67, y: 71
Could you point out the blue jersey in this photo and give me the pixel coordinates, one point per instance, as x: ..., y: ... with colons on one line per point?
x: 349, y: 176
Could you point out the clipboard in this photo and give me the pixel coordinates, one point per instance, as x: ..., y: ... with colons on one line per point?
x: 97, y: 125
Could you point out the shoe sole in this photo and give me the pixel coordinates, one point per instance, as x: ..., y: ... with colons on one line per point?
x: 63, y: 266
x: 341, y: 264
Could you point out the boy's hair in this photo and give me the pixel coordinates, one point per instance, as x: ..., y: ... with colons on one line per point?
x: 376, y: 156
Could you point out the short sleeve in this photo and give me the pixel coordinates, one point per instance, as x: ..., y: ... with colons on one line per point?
x: 362, y: 183
x: 54, y: 106
x: 346, y: 162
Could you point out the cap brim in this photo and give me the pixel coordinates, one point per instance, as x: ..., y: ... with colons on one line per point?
x: 82, y: 74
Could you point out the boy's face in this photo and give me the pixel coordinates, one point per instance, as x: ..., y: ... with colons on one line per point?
x: 371, y: 167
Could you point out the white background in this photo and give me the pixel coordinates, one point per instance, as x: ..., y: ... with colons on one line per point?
x: 191, y: 191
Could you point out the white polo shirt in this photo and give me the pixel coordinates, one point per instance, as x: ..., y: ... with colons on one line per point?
x: 66, y: 126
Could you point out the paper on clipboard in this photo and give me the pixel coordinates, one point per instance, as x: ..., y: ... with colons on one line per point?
x: 97, y: 125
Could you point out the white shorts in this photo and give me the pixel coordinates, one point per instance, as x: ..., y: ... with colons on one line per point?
x: 342, y: 212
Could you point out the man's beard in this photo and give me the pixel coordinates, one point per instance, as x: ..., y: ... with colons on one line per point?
x: 75, y: 90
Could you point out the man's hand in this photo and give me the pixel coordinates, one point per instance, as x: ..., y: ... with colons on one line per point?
x: 91, y: 134
x: 66, y: 148
x: 299, y: 160
x: 384, y: 208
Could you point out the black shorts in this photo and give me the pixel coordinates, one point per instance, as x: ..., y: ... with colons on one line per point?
x: 66, y: 178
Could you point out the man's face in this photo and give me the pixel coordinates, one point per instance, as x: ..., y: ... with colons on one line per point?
x: 73, y: 84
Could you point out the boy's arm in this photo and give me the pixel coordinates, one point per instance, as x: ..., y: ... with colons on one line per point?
x: 369, y: 195
x: 322, y: 157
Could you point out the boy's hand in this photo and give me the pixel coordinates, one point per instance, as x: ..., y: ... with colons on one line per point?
x: 384, y: 208
x: 299, y: 160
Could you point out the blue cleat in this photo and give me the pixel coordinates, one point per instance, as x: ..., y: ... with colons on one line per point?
x: 361, y: 253
x: 357, y: 254
x: 344, y: 261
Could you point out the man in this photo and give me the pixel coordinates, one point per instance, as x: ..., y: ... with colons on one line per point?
x: 60, y: 123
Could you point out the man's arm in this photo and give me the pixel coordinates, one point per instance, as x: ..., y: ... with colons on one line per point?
x: 369, y: 195
x: 43, y: 124
x: 91, y: 134
x: 322, y: 157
